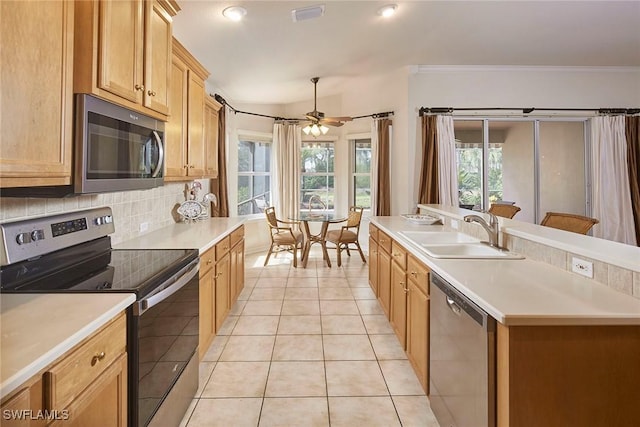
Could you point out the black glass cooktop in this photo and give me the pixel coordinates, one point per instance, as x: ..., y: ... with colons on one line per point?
x: 95, y: 267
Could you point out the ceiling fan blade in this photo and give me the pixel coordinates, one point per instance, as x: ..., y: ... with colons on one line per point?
x: 339, y: 119
x: 330, y: 123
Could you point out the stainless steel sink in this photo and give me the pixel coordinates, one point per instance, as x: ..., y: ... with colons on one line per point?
x: 422, y: 238
x: 469, y: 251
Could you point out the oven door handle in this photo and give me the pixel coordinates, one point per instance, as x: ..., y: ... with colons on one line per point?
x: 145, y: 304
x: 160, y: 154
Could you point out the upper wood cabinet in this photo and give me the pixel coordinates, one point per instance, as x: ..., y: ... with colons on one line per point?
x: 186, y: 152
x: 37, y: 119
x: 123, y: 52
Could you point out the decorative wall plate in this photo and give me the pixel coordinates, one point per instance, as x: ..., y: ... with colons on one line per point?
x: 190, y: 210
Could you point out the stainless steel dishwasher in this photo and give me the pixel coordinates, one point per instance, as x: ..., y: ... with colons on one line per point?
x: 462, y: 362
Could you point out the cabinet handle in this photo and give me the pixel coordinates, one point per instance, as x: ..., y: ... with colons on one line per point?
x: 209, y: 262
x: 191, y: 166
x: 151, y: 92
x: 406, y: 290
x: 139, y: 87
x: 98, y: 357
x: 414, y: 274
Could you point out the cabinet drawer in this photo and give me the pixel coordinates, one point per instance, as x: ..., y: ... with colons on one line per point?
x: 418, y: 273
x: 384, y: 241
x: 237, y: 235
x: 66, y: 380
x: 399, y: 255
x: 207, y: 260
x: 373, y: 232
x: 222, y: 247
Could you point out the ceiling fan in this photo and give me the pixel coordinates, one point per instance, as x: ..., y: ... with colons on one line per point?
x: 317, y: 118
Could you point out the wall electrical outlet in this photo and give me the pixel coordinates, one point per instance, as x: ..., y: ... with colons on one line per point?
x: 144, y: 226
x: 454, y: 224
x: 582, y: 267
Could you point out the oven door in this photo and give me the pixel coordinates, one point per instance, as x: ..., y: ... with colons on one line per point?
x: 163, y: 343
x: 118, y: 149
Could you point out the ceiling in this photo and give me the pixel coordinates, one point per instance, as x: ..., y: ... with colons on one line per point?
x: 268, y: 58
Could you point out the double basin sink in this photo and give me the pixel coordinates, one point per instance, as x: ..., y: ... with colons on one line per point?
x: 453, y: 245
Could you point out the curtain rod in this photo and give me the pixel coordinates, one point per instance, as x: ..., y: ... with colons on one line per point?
x: 527, y: 110
x: 223, y: 101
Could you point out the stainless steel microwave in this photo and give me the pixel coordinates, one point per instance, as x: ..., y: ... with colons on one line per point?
x: 116, y: 149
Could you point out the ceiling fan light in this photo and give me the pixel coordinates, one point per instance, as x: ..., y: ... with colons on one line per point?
x: 324, y: 129
x: 315, y: 130
x: 306, y: 129
x: 388, y: 10
x: 234, y: 13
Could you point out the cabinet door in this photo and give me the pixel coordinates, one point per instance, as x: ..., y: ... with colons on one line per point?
x: 175, y: 129
x: 157, y: 57
x: 195, y: 118
x: 384, y: 280
x: 36, y: 100
x: 211, y: 140
x: 104, y: 402
x: 120, y: 49
x: 399, y: 302
x: 223, y: 282
x: 418, y: 333
x: 373, y: 265
x: 207, y: 320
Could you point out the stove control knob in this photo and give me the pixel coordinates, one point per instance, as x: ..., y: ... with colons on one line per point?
x: 23, y: 238
x: 37, y: 235
x: 108, y: 219
x: 98, y: 220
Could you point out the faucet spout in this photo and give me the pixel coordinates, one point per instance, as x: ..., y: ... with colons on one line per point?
x: 491, y: 227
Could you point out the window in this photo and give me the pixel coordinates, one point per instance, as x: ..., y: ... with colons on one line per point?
x: 254, y: 176
x: 317, y: 188
x: 361, y: 173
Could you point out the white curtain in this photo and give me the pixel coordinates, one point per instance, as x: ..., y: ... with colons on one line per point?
x: 447, y: 165
x: 287, y: 140
x: 611, y: 196
x: 374, y: 167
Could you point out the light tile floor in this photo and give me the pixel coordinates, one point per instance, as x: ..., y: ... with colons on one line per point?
x: 307, y: 347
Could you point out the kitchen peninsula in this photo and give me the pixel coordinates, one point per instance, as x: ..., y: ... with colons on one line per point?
x: 566, y: 346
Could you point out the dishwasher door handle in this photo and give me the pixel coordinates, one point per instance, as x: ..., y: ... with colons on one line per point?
x: 453, y: 306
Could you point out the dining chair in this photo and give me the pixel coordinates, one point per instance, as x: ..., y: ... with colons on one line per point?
x: 569, y: 222
x: 348, y: 234
x: 504, y: 210
x: 283, y: 238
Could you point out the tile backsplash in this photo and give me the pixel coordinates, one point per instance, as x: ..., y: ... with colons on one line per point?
x: 155, y: 206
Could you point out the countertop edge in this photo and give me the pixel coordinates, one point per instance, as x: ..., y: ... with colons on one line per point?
x: 10, y: 384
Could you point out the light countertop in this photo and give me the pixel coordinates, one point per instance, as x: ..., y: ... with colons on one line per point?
x: 37, y: 329
x: 523, y: 292
x: 200, y: 235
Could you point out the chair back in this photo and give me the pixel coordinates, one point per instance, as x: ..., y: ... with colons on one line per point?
x: 505, y: 211
x: 569, y: 222
x: 355, y: 216
x: 270, y: 213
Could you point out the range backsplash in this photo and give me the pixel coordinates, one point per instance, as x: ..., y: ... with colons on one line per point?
x: 131, y: 209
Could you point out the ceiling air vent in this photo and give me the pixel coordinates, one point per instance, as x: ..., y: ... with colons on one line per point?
x: 305, y: 13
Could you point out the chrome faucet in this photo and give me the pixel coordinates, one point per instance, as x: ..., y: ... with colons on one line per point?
x: 491, y: 228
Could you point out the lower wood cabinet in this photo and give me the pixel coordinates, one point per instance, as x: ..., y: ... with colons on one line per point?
x: 221, y: 281
x: 399, y: 292
x: 384, y: 280
x: 373, y: 264
x: 87, y: 386
x: 418, y: 333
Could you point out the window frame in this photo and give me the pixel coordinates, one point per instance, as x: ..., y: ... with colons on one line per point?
x: 353, y: 141
x: 325, y: 141
x: 256, y: 138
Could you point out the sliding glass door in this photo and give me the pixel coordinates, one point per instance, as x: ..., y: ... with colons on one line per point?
x: 536, y: 164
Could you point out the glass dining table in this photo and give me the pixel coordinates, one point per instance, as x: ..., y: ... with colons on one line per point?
x: 309, y: 239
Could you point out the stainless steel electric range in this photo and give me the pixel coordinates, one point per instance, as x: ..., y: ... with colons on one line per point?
x: 72, y: 252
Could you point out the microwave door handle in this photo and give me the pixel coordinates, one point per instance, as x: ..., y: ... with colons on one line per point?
x: 160, y: 155
x: 145, y: 304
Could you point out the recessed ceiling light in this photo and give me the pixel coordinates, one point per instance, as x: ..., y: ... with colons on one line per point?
x: 235, y: 13
x: 388, y: 10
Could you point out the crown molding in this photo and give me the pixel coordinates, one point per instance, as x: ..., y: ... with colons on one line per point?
x: 423, y: 69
